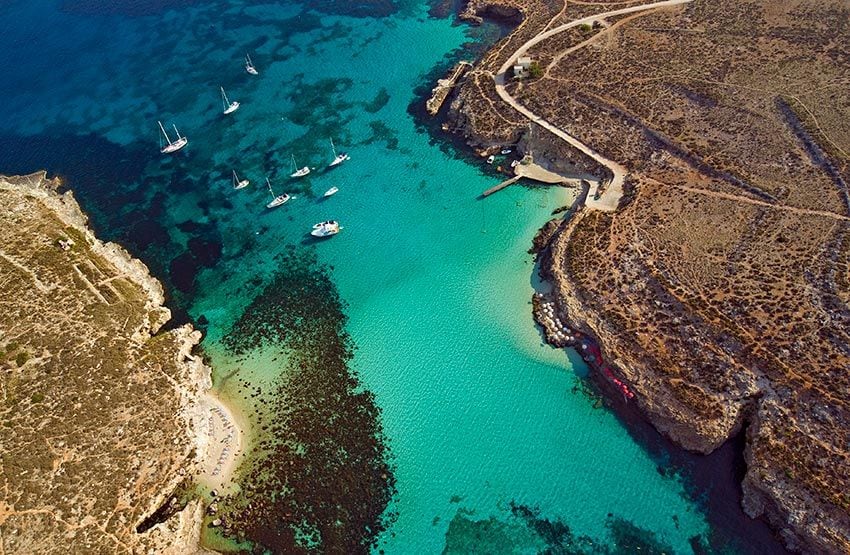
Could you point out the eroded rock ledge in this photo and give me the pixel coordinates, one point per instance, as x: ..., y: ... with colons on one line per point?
x: 100, y: 408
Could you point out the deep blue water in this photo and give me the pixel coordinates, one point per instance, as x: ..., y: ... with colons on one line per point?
x: 497, y: 443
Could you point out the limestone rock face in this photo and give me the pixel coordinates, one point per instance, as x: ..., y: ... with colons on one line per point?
x: 99, y: 410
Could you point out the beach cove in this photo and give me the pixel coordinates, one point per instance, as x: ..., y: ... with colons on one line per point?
x: 478, y: 433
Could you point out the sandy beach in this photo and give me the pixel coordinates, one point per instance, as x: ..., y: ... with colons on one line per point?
x: 222, y: 441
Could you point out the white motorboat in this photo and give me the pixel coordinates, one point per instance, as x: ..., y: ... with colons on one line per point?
x: 506, y: 151
x: 338, y: 158
x: 172, y: 146
x: 298, y: 172
x: 249, y: 66
x: 330, y: 192
x: 277, y: 200
x: 326, y: 229
x: 229, y: 107
x: 239, y: 183
x: 491, y: 159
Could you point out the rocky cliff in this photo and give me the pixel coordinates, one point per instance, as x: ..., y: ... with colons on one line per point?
x: 99, y: 406
x: 719, y: 290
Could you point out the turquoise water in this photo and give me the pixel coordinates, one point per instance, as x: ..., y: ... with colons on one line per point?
x: 480, y: 417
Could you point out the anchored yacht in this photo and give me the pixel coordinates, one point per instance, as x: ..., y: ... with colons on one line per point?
x: 338, y: 158
x: 249, y: 65
x: 298, y: 172
x: 277, y: 200
x: 229, y: 107
x: 326, y: 229
x: 239, y: 183
x: 172, y: 146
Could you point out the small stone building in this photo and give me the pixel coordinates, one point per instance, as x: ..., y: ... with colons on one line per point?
x: 521, y: 67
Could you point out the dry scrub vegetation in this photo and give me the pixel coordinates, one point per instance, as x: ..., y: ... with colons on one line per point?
x: 91, y: 428
x: 720, y: 288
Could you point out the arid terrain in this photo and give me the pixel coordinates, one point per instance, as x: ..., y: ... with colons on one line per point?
x: 98, y: 407
x: 718, y: 290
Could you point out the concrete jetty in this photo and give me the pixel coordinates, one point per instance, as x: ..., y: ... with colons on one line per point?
x: 444, y: 87
x: 528, y: 169
x: 501, y: 186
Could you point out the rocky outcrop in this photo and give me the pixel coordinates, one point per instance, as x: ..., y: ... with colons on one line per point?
x: 717, y: 293
x: 102, y: 409
x: 700, y: 417
x: 507, y: 11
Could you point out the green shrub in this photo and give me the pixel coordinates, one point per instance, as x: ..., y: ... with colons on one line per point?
x: 22, y: 358
x: 534, y: 70
x: 37, y: 397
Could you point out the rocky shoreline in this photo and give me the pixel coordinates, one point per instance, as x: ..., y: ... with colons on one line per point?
x: 134, y: 436
x: 697, y: 417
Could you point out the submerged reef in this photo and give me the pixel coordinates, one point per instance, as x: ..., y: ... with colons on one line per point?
x: 319, y: 476
x: 525, y: 530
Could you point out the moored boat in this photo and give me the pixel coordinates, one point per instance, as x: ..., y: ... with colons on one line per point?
x: 277, y: 200
x: 330, y: 192
x: 338, y: 158
x: 172, y: 146
x: 239, y: 183
x: 229, y: 107
x: 301, y: 172
x: 326, y: 229
x: 249, y: 65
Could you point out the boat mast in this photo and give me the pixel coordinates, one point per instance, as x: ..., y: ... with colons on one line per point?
x: 164, y: 133
x: 333, y: 147
x: 176, y: 131
x: 235, y: 178
x: 224, y: 98
x: 270, y: 187
x: 294, y: 165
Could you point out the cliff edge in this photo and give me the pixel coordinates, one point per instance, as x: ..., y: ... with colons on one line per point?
x: 719, y: 290
x: 99, y: 407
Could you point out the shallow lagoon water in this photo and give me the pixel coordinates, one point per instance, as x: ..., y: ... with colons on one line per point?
x: 479, y: 415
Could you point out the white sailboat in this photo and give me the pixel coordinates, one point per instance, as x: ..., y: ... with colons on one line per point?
x: 326, y: 229
x: 330, y: 192
x: 338, y: 158
x: 249, y: 66
x: 298, y: 172
x: 239, y: 183
x: 172, y: 146
x: 229, y: 107
x: 276, y: 200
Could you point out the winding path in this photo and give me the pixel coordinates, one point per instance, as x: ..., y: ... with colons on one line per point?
x: 609, y: 200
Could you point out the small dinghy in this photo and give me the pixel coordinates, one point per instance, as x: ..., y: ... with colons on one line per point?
x: 491, y: 159
x: 331, y: 192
